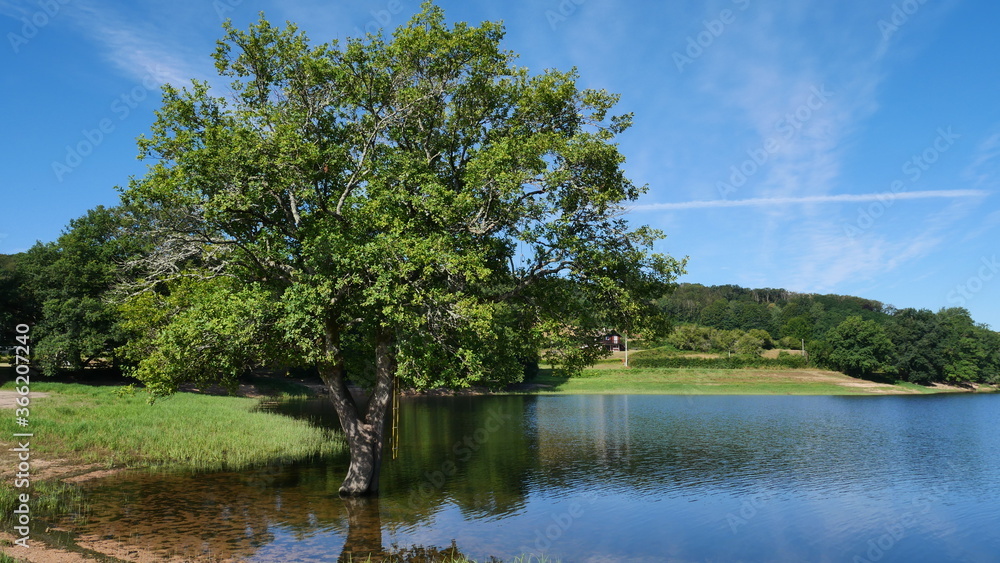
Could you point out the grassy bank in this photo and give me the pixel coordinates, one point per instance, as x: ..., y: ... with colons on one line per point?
x: 184, y: 431
x: 75, y: 426
x: 50, y: 499
x: 678, y: 381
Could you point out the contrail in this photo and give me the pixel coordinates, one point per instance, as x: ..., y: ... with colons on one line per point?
x: 842, y: 198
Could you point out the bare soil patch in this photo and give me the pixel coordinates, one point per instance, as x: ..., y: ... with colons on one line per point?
x: 817, y: 376
x: 39, y: 552
x: 773, y: 353
x: 43, y: 469
x: 8, y: 399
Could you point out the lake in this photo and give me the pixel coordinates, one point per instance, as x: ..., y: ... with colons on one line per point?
x: 608, y: 478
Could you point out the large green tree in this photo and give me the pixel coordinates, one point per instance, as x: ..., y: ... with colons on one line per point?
x: 416, y: 208
x: 859, y: 348
x: 967, y: 350
x: 918, y: 339
x: 16, y: 305
x: 68, y: 281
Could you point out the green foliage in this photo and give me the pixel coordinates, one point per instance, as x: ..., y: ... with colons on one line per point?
x: 692, y: 337
x: 69, y: 282
x: 968, y: 351
x: 704, y: 339
x: 777, y: 311
x: 859, y: 348
x: 726, y: 340
x: 198, y: 330
x: 423, y: 190
x: 749, y: 345
x: 926, y: 347
x: 717, y: 315
x: 819, y: 352
x: 917, y: 337
x: 16, y: 303
x: 786, y: 361
x: 790, y: 342
x: 798, y: 328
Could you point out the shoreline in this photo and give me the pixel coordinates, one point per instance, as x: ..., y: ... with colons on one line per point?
x: 619, y: 380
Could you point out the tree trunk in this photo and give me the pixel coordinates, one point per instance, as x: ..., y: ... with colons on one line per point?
x: 364, y: 431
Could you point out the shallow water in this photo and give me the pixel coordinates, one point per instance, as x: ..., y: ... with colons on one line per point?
x: 610, y: 478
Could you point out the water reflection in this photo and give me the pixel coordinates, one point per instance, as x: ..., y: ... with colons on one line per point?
x: 614, y: 477
x: 364, y: 530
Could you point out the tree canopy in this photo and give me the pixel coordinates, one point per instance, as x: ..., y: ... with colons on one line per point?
x: 65, y: 284
x: 416, y: 208
x: 859, y: 348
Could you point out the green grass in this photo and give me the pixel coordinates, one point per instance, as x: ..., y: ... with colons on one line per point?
x: 185, y: 431
x: 49, y: 499
x: 679, y: 381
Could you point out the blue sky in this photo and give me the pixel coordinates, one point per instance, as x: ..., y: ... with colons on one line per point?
x: 849, y: 147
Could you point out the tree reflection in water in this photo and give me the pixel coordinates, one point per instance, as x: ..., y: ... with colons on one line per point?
x: 364, y: 530
x: 473, y: 455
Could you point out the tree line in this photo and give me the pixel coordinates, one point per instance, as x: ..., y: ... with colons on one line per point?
x: 861, y: 337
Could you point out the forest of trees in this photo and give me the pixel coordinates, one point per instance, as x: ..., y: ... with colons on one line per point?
x: 861, y: 337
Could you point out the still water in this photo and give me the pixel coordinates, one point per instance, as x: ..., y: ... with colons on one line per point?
x: 610, y: 478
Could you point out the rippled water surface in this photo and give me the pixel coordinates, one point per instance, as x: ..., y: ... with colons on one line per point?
x: 610, y: 478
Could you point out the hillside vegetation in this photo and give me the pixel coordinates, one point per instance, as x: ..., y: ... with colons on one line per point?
x: 860, y: 337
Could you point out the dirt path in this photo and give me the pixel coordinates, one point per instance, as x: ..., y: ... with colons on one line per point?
x: 8, y: 399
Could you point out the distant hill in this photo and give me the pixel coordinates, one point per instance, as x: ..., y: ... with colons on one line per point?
x: 778, y: 311
x: 843, y: 332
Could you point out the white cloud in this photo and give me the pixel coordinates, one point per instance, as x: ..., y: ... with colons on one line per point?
x: 138, y: 48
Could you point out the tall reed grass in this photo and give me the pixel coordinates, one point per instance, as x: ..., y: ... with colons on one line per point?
x: 185, y: 431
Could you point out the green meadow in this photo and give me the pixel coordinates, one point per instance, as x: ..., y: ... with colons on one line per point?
x: 103, y: 425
